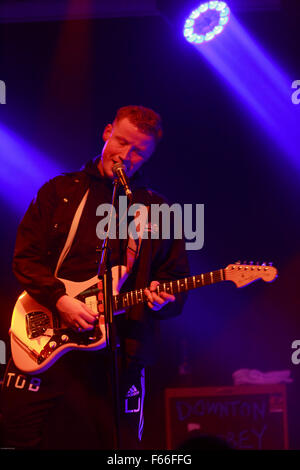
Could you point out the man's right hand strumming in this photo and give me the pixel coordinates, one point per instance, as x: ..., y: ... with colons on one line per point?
x: 75, y: 313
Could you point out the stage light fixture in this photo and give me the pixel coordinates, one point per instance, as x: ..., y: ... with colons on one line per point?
x: 206, y: 22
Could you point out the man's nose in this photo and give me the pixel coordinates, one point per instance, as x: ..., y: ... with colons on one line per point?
x: 125, y: 155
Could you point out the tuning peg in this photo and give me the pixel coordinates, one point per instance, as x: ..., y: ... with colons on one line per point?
x: 270, y: 264
x: 237, y: 262
x: 264, y: 264
x: 250, y: 262
x: 257, y: 263
x: 245, y: 262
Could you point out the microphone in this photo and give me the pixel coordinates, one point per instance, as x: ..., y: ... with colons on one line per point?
x: 119, y: 171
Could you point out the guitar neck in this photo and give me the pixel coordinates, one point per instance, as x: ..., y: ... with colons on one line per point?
x: 137, y: 296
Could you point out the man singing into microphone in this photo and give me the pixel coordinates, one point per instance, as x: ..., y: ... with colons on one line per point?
x: 69, y: 406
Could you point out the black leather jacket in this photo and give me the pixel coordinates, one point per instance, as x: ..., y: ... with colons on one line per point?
x: 42, y: 234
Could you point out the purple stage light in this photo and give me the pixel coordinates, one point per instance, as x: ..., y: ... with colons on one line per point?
x: 206, y: 22
x: 258, y: 81
x: 23, y: 169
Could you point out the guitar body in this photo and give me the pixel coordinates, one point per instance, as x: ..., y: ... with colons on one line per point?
x: 38, y: 337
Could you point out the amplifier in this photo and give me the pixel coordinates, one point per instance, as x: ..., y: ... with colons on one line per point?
x: 245, y: 416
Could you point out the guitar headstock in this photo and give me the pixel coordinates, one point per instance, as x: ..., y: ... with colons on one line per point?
x: 244, y: 274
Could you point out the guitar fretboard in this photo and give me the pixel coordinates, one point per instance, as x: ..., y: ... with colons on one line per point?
x: 137, y: 296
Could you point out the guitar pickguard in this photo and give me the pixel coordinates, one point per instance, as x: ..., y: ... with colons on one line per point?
x: 65, y: 336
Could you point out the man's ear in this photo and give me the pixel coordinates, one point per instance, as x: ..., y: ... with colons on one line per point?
x: 107, y: 132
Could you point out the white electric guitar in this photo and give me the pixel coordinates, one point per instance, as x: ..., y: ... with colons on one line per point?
x: 38, y: 337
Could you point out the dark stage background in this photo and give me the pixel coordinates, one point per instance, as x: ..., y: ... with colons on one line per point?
x: 65, y: 81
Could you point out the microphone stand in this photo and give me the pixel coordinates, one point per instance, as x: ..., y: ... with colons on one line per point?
x: 104, y: 273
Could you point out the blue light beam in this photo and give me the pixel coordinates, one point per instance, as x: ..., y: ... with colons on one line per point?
x: 262, y: 86
x: 23, y: 169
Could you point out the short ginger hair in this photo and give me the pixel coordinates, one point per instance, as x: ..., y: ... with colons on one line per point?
x: 145, y: 119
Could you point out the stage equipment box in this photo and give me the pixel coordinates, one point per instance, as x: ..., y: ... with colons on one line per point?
x: 246, y: 416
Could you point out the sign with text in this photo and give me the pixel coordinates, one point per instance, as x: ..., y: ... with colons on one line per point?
x: 245, y: 416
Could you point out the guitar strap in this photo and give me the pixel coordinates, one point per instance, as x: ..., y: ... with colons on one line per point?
x: 72, y: 232
x: 133, y: 247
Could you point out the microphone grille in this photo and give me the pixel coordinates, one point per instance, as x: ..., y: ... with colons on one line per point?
x: 118, y: 166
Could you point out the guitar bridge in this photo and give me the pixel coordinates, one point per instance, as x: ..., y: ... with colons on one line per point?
x: 36, y: 324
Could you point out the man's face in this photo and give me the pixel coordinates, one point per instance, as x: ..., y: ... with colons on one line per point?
x: 124, y: 143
